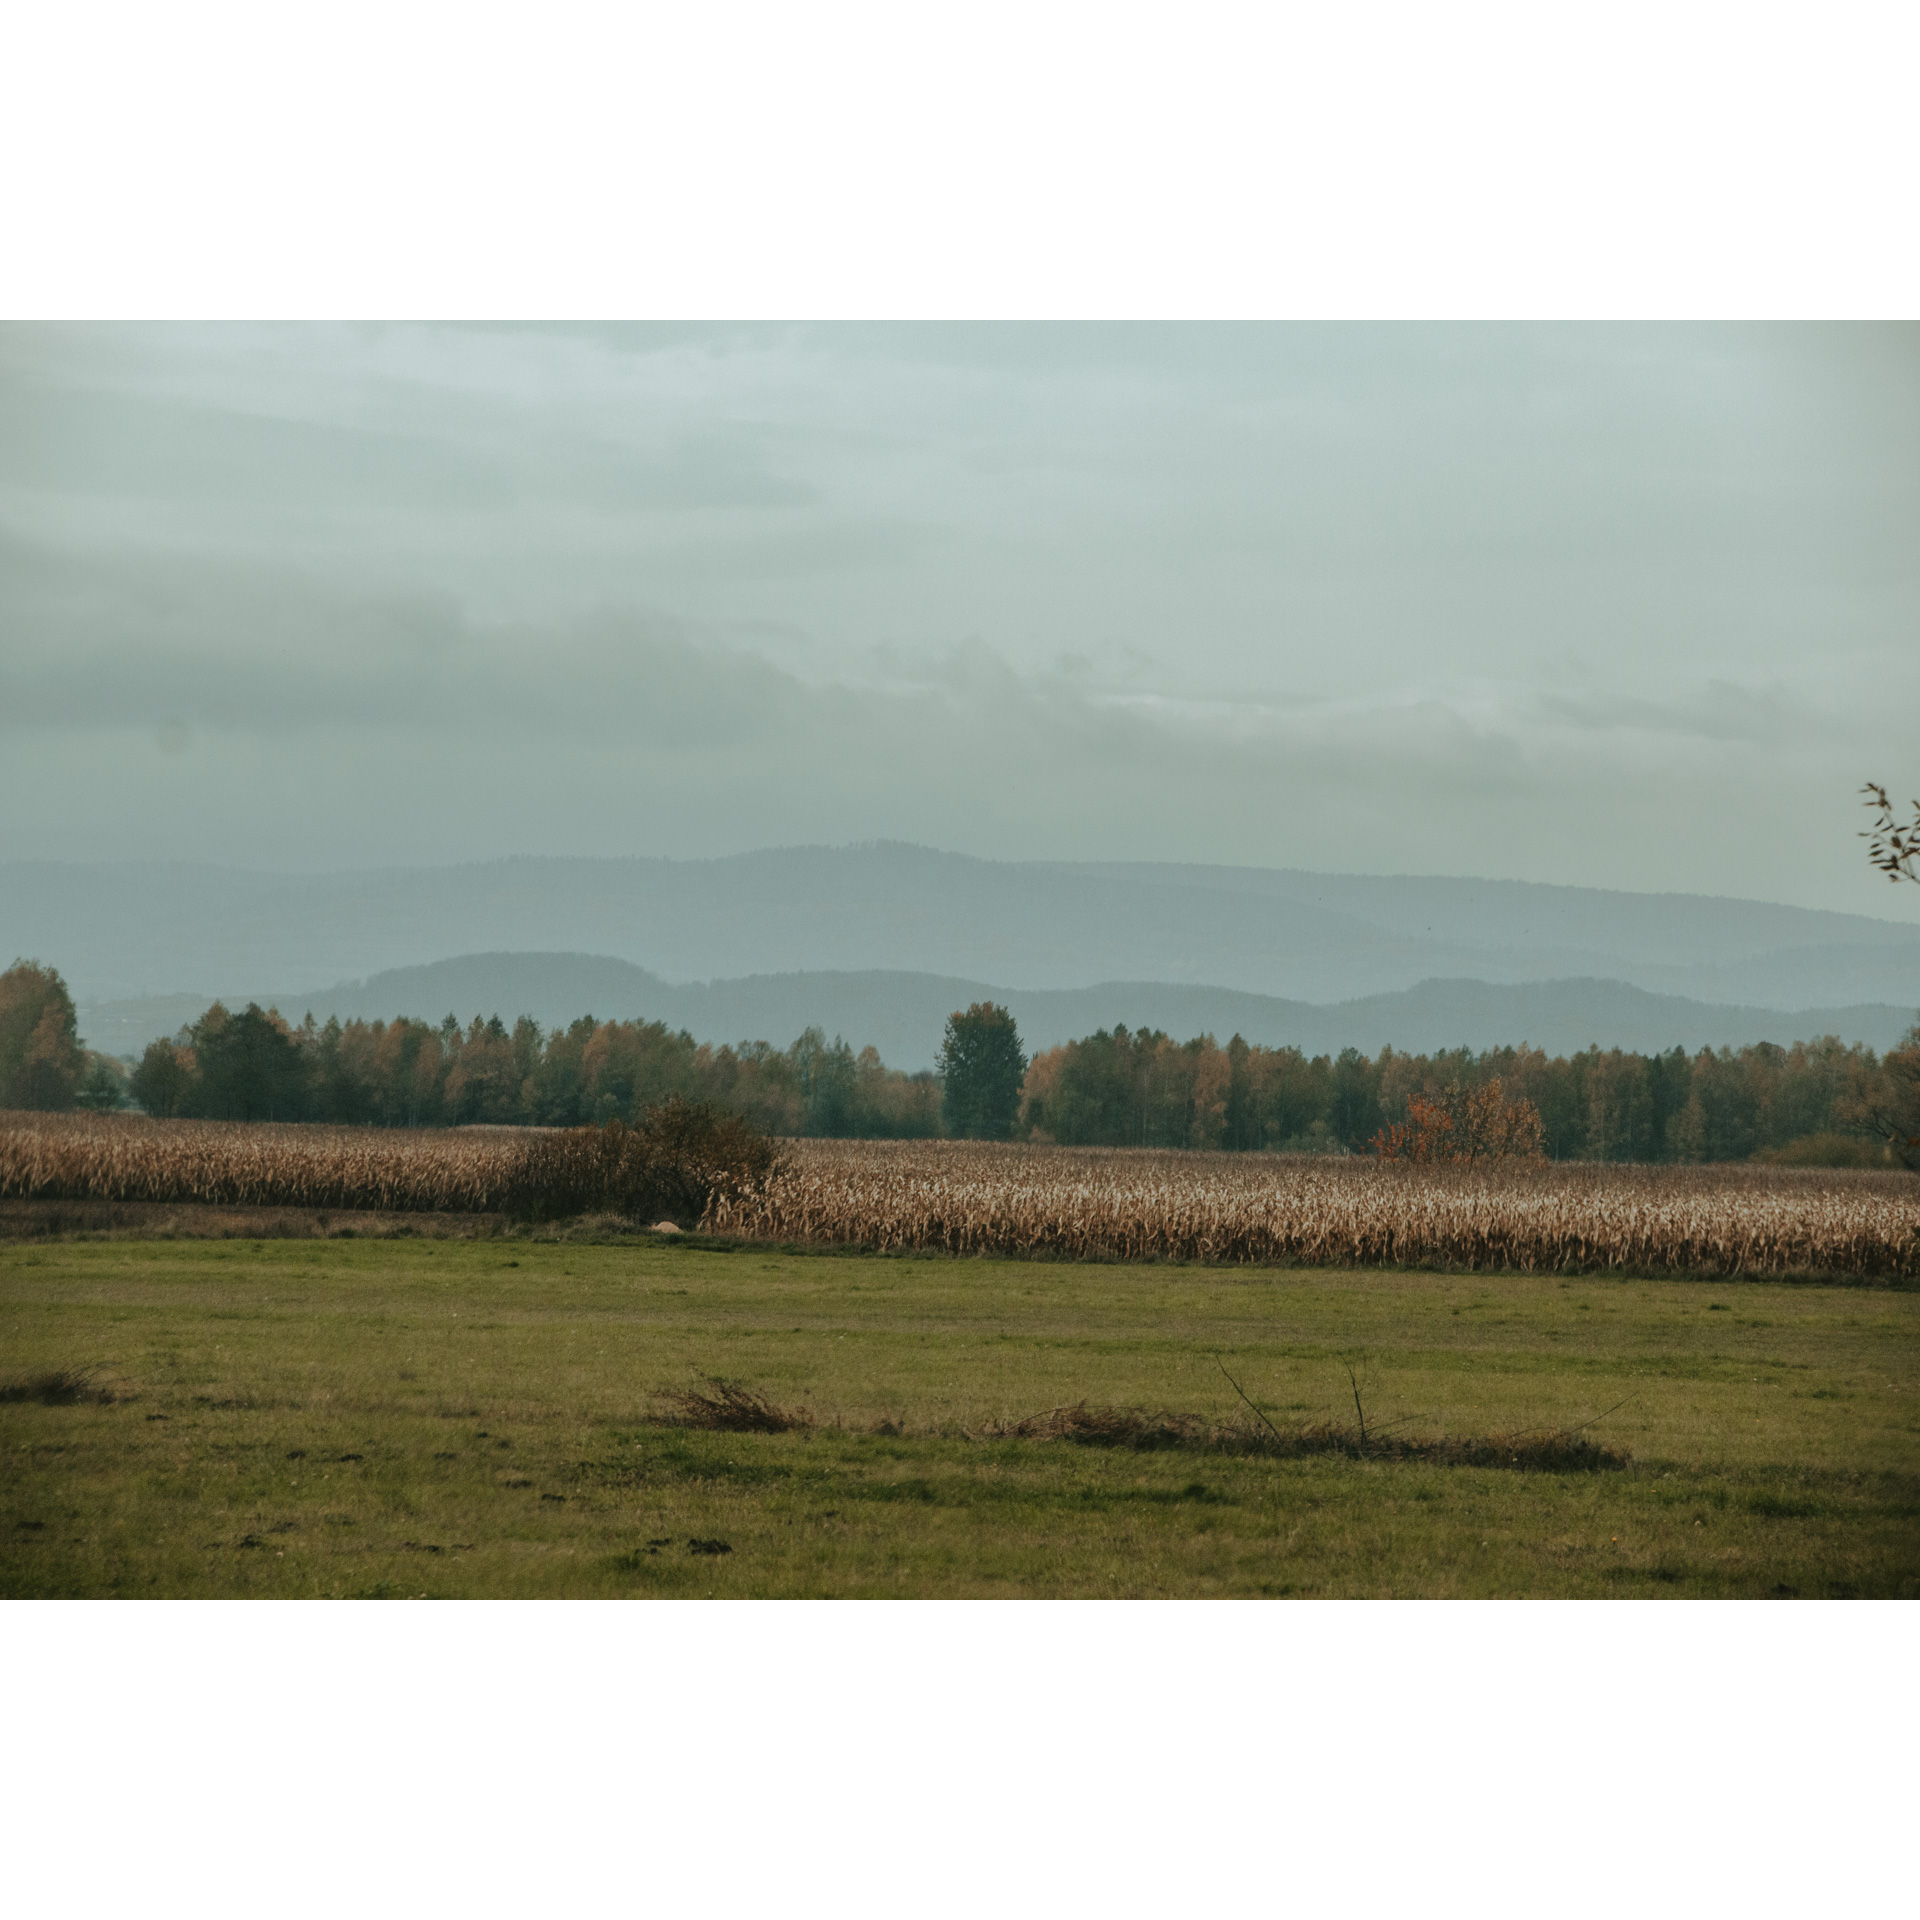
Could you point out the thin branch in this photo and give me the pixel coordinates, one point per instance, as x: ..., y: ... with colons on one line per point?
x: 1357, y: 1407
x: 1598, y: 1417
x: 1242, y: 1392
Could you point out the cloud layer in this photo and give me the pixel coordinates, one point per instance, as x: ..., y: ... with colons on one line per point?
x: 1625, y: 607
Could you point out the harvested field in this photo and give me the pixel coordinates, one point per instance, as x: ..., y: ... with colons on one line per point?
x: 1104, y: 1203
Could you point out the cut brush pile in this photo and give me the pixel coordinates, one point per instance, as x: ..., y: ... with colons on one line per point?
x: 724, y: 1406
x: 60, y: 1387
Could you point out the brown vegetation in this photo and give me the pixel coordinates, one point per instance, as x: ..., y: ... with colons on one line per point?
x: 61, y: 1387
x: 1464, y: 1126
x: 1121, y: 1204
x: 724, y: 1406
x: 1093, y: 1203
x: 1551, y: 1450
x: 676, y: 1162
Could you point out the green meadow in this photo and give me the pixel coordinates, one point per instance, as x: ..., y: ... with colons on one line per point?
x: 447, y: 1418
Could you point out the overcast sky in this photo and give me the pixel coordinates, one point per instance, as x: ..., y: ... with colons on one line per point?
x: 1631, y: 607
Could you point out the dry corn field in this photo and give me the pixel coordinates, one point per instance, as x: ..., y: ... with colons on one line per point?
x: 229, y: 1163
x: 1111, y: 1203
x: 1082, y: 1203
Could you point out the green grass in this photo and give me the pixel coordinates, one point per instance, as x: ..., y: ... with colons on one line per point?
x: 472, y: 1417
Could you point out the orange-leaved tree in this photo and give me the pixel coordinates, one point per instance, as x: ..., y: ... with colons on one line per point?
x: 1463, y: 1125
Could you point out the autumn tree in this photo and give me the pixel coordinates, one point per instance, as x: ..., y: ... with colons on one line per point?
x: 1464, y: 1126
x: 161, y: 1080
x: 41, y: 1059
x: 982, y: 1067
x: 1888, y: 1103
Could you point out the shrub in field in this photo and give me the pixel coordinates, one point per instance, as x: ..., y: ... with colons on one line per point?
x: 61, y: 1387
x: 673, y: 1164
x: 724, y: 1406
x: 1825, y: 1150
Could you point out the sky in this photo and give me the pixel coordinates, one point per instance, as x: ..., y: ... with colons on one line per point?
x: 1628, y: 606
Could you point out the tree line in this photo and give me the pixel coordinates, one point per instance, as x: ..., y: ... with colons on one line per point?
x: 1817, y: 1102
x: 43, y: 1066
x: 255, y: 1065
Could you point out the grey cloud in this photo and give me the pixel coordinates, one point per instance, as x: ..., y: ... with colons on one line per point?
x: 1720, y: 710
x: 1629, y: 606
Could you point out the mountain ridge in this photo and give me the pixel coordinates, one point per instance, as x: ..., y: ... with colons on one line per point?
x: 140, y: 928
x: 901, y: 1013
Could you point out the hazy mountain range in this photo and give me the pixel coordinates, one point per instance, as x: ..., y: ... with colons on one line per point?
x: 880, y: 942
x: 902, y: 1014
x: 118, y: 930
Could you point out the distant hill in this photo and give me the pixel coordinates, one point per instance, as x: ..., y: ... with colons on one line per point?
x: 902, y: 1013
x: 146, y: 929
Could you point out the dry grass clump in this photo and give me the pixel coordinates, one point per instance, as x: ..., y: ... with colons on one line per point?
x: 724, y: 1406
x: 1557, y: 1450
x: 1127, y: 1427
x: 59, y: 1387
x: 1106, y: 1203
x: 675, y: 1163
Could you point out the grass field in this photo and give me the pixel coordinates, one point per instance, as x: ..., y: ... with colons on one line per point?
x: 479, y: 1417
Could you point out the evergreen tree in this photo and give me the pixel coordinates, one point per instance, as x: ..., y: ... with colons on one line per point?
x: 982, y: 1066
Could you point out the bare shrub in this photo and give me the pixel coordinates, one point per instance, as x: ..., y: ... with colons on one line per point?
x: 724, y: 1406
x: 1108, y: 1427
x: 61, y: 1387
x: 1558, y: 1450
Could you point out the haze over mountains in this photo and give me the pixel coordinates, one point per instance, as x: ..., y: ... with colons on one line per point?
x: 902, y: 1014
x: 894, y: 936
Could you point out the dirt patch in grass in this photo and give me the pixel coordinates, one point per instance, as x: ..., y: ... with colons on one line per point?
x: 58, y: 1220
